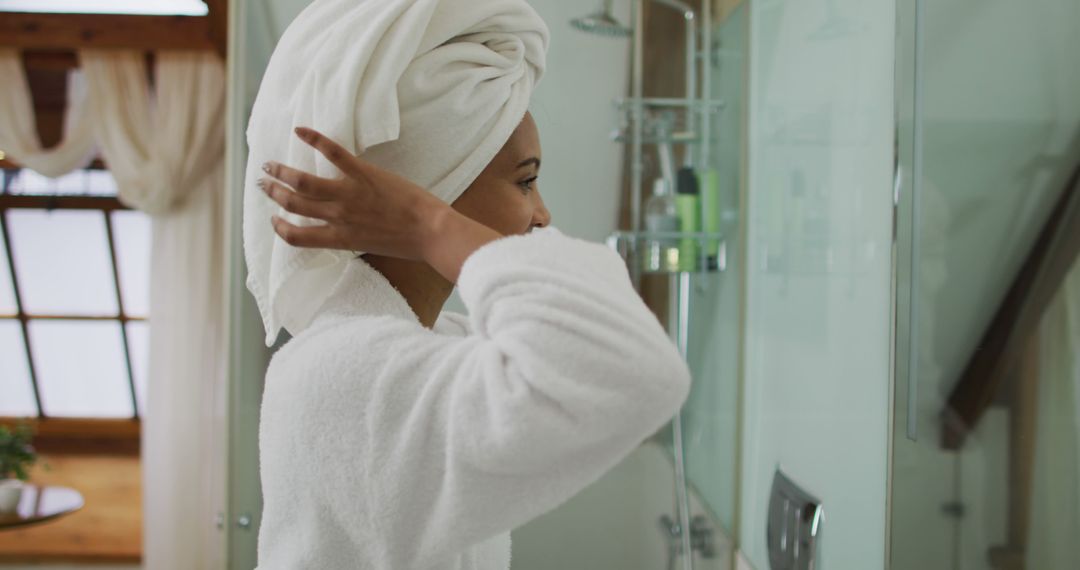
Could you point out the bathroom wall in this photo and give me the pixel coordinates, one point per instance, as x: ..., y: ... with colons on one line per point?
x: 582, y: 169
x: 818, y: 269
x: 614, y: 523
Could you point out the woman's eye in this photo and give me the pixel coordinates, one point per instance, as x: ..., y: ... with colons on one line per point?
x: 528, y: 184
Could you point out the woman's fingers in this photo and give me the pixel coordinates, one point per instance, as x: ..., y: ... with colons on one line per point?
x: 335, y: 153
x: 312, y: 186
x: 324, y: 237
x: 297, y: 203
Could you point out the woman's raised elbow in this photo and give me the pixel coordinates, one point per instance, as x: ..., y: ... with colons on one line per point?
x: 665, y: 380
x: 678, y: 382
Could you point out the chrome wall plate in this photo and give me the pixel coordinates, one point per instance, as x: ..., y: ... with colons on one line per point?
x: 794, y: 526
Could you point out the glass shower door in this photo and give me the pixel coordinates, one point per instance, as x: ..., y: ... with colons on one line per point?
x: 989, y: 133
x: 710, y: 416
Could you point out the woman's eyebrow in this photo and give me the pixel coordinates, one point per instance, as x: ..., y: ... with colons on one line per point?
x: 528, y: 161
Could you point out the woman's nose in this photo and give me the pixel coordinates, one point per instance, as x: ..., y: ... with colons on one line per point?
x: 541, y: 215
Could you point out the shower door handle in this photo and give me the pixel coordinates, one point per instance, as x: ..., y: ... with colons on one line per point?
x: 917, y: 176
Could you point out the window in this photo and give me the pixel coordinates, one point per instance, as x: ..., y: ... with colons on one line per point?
x: 74, y: 297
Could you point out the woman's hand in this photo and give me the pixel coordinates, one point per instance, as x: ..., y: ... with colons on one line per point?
x: 371, y: 210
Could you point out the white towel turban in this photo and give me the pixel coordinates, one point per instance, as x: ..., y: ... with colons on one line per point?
x: 430, y: 89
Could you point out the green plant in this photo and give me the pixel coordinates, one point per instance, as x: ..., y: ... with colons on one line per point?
x: 16, y: 453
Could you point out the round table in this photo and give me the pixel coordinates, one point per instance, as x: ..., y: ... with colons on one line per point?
x: 40, y: 504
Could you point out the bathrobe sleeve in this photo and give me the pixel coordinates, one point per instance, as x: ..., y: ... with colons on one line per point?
x: 565, y: 371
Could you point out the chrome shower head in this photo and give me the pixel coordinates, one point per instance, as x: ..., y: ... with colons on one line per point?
x: 602, y: 23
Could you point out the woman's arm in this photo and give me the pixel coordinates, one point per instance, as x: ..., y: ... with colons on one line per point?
x: 453, y: 440
x: 371, y: 210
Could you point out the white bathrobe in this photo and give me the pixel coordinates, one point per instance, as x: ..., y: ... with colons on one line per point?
x: 389, y: 446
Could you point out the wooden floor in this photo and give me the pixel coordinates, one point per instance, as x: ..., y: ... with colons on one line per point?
x: 107, y: 529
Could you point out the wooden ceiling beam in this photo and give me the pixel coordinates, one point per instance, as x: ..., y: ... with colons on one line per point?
x: 1017, y: 318
x: 25, y: 30
x: 50, y: 60
x: 47, y: 75
x: 722, y: 9
x: 218, y: 14
x: 96, y: 164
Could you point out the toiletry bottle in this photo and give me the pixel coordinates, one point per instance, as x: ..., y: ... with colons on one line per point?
x: 688, y: 204
x: 709, y: 185
x: 661, y: 215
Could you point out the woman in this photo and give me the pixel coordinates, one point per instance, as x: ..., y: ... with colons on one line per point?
x: 396, y: 437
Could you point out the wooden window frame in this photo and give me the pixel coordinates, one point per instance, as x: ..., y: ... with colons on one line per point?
x: 49, y: 41
x: 104, y: 204
x: 82, y: 436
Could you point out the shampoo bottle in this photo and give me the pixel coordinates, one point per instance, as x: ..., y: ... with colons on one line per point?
x: 688, y: 204
x: 709, y: 185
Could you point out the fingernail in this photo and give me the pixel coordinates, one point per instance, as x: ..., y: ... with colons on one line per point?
x: 261, y: 183
x: 266, y: 167
x: 302, y: 132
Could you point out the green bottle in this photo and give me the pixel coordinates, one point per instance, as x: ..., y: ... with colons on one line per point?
x: 709, y: 186
x: 688, y: 205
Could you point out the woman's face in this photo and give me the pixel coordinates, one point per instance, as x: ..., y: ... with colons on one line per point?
x: 506, y: 197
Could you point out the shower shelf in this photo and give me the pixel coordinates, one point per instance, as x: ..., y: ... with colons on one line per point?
x: 634, y: 246
x: 663, y: 120
x: 631, y: 102
x: 675, y: 138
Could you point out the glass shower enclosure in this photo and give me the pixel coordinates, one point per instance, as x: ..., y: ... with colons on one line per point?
x: 703, y: 295
x: 984, y: 448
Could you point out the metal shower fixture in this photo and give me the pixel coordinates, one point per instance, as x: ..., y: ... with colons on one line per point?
x: 602, y: 23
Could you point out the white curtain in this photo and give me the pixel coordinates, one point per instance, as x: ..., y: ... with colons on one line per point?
x: 161, y: 146
x: 1055, y: 502
x: 183, y: 432
x: 18, y: 133
x: 165, y: 147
